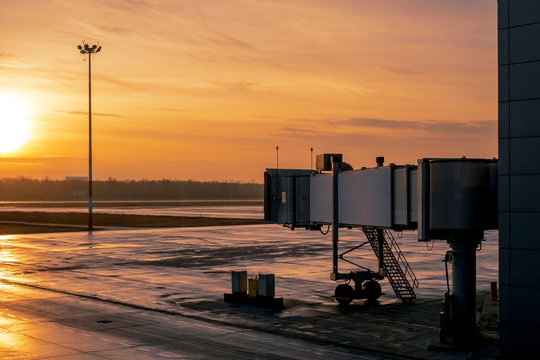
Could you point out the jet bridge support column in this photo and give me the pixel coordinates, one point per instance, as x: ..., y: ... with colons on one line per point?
x: 457, y: 202
x: 464, y: 288
x: 336, y: 165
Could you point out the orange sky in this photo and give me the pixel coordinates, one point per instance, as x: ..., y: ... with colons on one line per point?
x: 207, y: 89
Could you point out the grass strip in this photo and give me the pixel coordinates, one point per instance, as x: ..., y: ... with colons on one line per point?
x: 15, y: 229
x: 129, y: 203
x: 120, y: 220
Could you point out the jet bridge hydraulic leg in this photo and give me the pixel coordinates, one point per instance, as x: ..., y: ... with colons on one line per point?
x: 366, y: 285
x: 392, y: 265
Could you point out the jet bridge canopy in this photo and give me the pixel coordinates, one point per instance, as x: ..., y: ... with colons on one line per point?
x: 384, y: 196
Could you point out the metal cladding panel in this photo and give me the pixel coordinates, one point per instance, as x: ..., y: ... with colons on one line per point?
x: 493, y: 194
x: 400, y: 196
x: 281, y: 199
x: 272, y: 193
x: 423, y: 199
x: 321, y: 198
x: 267, y: 196
x: 285, y: 200
x: 458, y: 195
x: 302, y: 199
x: 413, y: 193
x: 365, y: 197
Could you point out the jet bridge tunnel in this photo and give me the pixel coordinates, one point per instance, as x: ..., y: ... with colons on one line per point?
x: 384, y: 196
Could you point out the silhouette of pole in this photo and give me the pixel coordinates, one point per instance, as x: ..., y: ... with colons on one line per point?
x: 311, y: 167
x: 87, y: 49
x: 277, y: 157
x: 336, y: 165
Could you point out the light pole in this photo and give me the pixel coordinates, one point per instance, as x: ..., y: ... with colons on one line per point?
x: 87, y: 49
x: 277, y: 157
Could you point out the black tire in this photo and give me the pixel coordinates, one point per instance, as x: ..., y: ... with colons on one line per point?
x: 372, y: 290
x: 344, y: 294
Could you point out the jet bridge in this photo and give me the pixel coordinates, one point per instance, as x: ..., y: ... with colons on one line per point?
x: 445, y: 199
x: 373, y: 199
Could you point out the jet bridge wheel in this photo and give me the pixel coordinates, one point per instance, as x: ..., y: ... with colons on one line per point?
x: 372, y: 290
x: 344, y: 294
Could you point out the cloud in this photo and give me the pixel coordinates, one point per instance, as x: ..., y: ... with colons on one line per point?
x: 295, y: 131
x: 426, y: 125
x: 377, y: 123
x: 114, y: 29
x: 114, y: 81
x: 174, y: 109
x: 224, y: 39
x: 237, y: 85
x: 324, y: 128
x: 38, y: 160
x: 400, y: 70
x: 73, y: 112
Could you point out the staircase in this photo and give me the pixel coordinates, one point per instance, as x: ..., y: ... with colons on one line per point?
x: 398, y: 270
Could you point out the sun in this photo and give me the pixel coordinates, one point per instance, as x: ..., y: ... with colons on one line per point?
x: 14, y: 122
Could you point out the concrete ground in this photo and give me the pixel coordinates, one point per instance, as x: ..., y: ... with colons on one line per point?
x: 42, y: 324
x: 158, y: 294
x: 36, y: 324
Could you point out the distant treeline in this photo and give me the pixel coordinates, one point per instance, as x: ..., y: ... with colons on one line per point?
x: 12, y: 189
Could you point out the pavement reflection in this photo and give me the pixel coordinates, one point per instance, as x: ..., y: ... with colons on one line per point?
x: 184, y: 272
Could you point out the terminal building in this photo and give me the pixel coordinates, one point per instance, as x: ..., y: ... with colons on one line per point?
x: 519, y: 176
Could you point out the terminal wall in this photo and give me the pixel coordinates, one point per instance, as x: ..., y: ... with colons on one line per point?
x: 519, y: 175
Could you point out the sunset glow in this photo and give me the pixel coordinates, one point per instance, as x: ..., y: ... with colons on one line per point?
x: 206, y: 90
x: 14, y: 122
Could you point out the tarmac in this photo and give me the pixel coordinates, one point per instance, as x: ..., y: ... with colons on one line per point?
x: 61, y: 298
x: 43, y: 324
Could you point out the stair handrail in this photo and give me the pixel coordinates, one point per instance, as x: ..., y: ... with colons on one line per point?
x: 394, y: 246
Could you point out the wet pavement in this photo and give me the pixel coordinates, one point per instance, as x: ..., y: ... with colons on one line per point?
x: 158, y: 293
x: 43, y: 325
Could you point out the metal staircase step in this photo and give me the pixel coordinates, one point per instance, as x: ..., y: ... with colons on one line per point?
x: 399, y: 279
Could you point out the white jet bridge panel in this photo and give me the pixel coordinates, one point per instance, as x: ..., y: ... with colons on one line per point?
x: 365, y: 197
x: 401, y: 195
x: 413, y: 193
x: 321, y: 199
x: 404, y: 193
